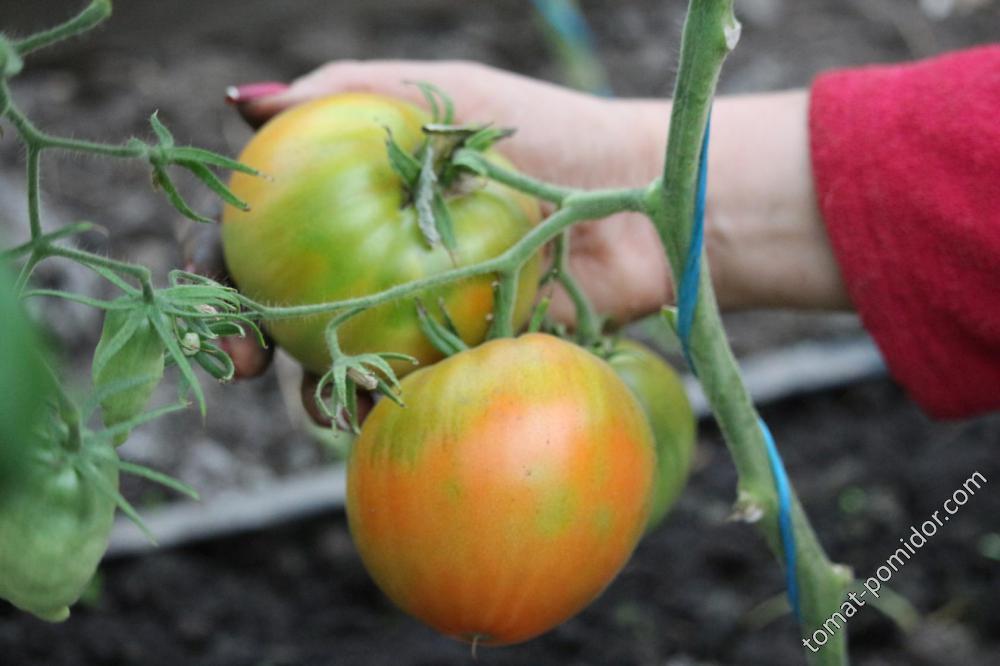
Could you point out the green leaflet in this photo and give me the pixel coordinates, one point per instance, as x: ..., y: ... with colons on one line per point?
x: 130, y: 349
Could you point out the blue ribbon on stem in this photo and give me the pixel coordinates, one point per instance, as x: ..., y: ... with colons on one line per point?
x: 687, y: 300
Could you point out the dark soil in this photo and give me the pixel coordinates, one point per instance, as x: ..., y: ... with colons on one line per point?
x: 867, y: 464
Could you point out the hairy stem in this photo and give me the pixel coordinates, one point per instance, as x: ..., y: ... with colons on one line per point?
x: 503, y: 304
x: 513, y: 179
x: 577, y: 206
x: 96, y: 12
x: 140, y: 273
x: 588, y: 324
x: 710, y: 33
x: 39, y: 140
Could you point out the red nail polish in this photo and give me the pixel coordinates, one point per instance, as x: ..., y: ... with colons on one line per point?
x: 249, y: 92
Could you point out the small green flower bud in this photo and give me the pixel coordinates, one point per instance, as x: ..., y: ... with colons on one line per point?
x: 191, y: 344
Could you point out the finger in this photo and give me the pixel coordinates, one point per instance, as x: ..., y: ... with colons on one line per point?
x: 246, y: 99
x: 249, y: 358
x: 307, y: 392
x: 386, y: 77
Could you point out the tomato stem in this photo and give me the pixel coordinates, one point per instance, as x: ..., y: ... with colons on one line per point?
x: 577, y: 206
x: 710, y: 32
x: 588, y: 324
x: 505, y: 296
x: 518, y: 181
x: 92, y: 15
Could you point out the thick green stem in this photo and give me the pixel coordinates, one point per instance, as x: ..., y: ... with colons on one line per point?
x: 96, y: 12
x: 34, y: 206
x: 140, y: 273
x: 505, y: 297
x: 588, y: 324
x: 710, y: 32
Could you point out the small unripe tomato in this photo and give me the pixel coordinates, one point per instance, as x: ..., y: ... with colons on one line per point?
x: 54, y: 525
x: 118, y: 361
x: 661, y: 393
x: 508, y: 492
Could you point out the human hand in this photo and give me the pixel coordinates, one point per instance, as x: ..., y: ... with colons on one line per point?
x: 766, y: 243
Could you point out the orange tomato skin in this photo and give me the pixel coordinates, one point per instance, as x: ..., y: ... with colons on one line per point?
x: 508, y: 492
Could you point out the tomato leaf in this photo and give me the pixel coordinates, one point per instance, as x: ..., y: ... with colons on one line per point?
x: 114, y: 279
x: 388, y: 392
x: 161, y: 131
x: 487, y: 136
x: 76, y: 298
x: 443, y: 340
x: 444, y: 224
x: 448, y: 321
x: 163, y: 182
x: 340, y: 381
x: 441, y: 106
x: 352, y: 412
x: 158, y: 477
x: 216, y: 362
x: 470, y: 160
x: 177, y: 354
x: 191, y: 154
x: 402, y: 162
x: 214, y: 183
x: 379, y: 364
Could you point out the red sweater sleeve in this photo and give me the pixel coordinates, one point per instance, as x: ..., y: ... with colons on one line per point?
x: 906, y: 161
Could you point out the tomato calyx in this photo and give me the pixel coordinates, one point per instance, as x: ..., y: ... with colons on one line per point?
x: 432, y: 172
x: 444, y: 336
x: 349, y: 373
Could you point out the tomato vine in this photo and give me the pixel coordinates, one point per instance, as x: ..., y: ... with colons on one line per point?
x: 193, y: 311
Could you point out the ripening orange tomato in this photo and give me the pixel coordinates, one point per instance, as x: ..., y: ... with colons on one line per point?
x: 508, y: 492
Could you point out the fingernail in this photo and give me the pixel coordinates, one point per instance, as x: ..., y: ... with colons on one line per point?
x: 249, y: 92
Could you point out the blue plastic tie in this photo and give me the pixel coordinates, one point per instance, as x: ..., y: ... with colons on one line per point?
x: 687, y: 299
x: 565, y: 17
x: 687, y: 292
x: 784, y: 518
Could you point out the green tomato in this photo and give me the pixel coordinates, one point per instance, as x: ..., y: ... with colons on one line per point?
x: 54, y: 525
x: 130, y: 349
x: 331, y: 220
x: 662, y: 396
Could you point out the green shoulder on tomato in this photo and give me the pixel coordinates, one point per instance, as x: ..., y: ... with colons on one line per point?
x: 56, y: 515
x: 331, y: 220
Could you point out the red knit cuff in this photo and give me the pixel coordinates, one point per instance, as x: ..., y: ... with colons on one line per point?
x: 906, y: 161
